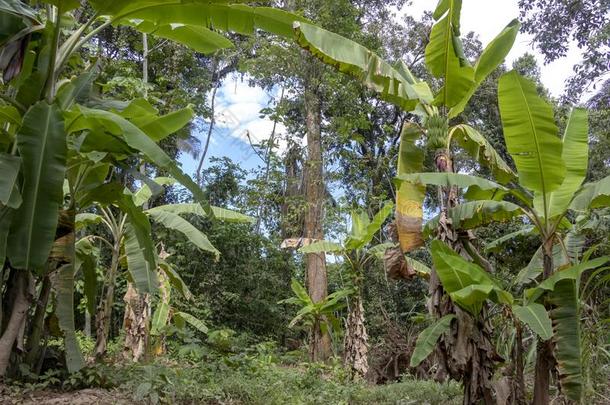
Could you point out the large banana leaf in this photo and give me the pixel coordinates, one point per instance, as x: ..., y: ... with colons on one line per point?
x: 410, y: 197
x: 145, y: 192
x: 64, y: 287
x: 9, y: 167
x: 198, y: 38
x: 479, y: 148
x: 138, y: 140
x: 175, y: 279
x: 478, y: 188
x: 427, y: 339
x: 493, y: 55
x: 42, y: 147
x: 322, y: 246
x: 221, y: 214
x: 194, y: 322
x: 473, y: 214
x: 531, y: 137
x: 86, y: 260
x: 177, y: 223
x: 467, y: 284
x: 146, y: 117
x: 571, y: 273
x: 139, y: 247
x: 141, y: 262
x: 361, y: 236
x: 358, y: 61
x: 566, y: 326
x: 535, y: 316
x: 445, y: 57
x: 592, y: 195
x: 496, y: 245
x: 575, y: 155
x: 220, y: 15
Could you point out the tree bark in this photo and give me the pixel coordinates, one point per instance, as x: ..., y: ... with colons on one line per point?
x: 320, y: 345
x: 20, y: 307
x: 355, y: 355
x: 32, y: 347
x: 104, y: 311
x: 466, y: 353
x: 544, y: 355
x: 136, y: 324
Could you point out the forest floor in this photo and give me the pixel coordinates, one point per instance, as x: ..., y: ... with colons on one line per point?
x: 80, y: 397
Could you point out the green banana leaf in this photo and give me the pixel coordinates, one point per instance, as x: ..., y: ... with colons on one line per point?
x: 479, y: 148
x: 64, y: 287
x: 177, y: 223
x: 356, y: 60
x: 535, y: 316
x: 9, y: 193
x: 42, y: 146
x: 493, y: 55
x: 361, y: 236
x: 477, y: 187
x: 496, y: 245
x: 219, y: 15
x: 531, y: 137
x: 570, y: 273
x: 198, y: 38
x: 473, y: 214
x: 427, y: 339
x: 445, y: 57
x: 220, y: 214
x: 145, y: 192
x: 592, y: 195
x: 138, y: 140
x: 86, y: 260
x: 194, y: 322
x: 575, y: 154
x: 467, y: 284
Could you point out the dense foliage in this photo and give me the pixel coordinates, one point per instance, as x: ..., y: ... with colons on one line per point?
x: 423, y: 223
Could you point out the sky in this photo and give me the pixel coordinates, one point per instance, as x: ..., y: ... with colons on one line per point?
x: 238, y: 105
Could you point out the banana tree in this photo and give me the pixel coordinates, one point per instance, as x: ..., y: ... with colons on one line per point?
x: 316, y: 315
x: 551, y: 171
x: 117, y: 226
x: 460, y: 79
x: 53, y: 134
x: 357, y: 256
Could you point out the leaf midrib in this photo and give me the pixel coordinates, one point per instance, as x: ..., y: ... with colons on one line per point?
x: 536, y: 142
x: 38, y: 173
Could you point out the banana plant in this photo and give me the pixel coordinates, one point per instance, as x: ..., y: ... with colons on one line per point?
x: 55, y: 135
x: 460, y: 78
x: 320, y: 314
x: 551, y: 171
x: 396, y: 84
x: 142, y: 271
x: 357, y: 255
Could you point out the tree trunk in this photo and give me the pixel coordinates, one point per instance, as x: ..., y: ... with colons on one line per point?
x: 20, y: 307
x: 136, y: 324
x: 544, y: 355
x: 356, y: 341
x: 32, y: 347
x: 466, y: 353
x: 320, y: 345
x: 104, y: 311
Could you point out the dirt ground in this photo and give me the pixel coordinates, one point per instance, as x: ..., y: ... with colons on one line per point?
x: 87, y: 396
